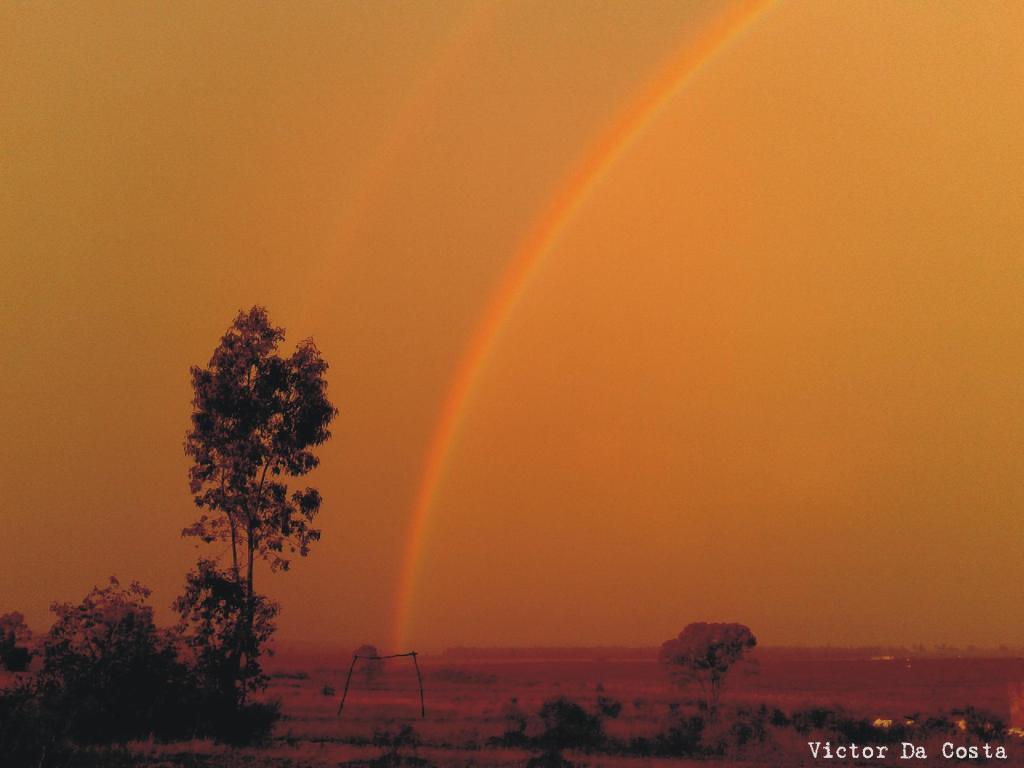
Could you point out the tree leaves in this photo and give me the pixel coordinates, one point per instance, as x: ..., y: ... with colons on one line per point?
x: 703, y: 653
x: 256, y: 418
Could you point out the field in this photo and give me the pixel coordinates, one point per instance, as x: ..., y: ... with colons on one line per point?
x: 473, y: 703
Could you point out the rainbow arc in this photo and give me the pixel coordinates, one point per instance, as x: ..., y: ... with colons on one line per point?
x: 569, y: 197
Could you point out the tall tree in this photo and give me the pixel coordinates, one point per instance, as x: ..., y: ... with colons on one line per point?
x: 256, y: 418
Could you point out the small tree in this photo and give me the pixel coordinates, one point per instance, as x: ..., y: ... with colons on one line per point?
x: 567, y: 725
x: 704, y: 653
x: 256, y: 418
x: 14, y: 640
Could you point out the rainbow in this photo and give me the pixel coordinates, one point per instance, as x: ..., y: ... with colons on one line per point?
x: 568, y: 199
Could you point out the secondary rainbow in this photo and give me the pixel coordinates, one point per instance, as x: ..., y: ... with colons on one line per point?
x: 570, y: 195
x: 378, y: 168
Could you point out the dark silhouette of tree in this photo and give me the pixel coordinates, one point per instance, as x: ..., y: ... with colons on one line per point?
x: 704, y: 653
x: 108, y: 672
x: 256, y: 418
x: 14, y: 639
x: 567, y: 725
x: 212, y: 628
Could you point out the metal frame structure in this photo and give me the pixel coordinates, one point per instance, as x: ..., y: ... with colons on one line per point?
x: 352, y: 666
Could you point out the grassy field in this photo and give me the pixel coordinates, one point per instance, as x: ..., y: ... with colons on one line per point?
x: 472, y: 704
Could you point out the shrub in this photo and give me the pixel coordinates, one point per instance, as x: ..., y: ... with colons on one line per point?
x: 28, y: 730
x: 609, y: 707
x: 982, y: 725
x: 779, y: 719
x: 860, y: 729
x: 683, y: 738
x: 749, y: 726
x: 567, y: 725
x: 109, y: 673
x: 812, y: 719
x: 938, y: 725
x: 14, y: 638
x: 245, y: 724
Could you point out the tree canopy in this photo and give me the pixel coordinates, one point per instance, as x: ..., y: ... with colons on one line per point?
x: 256, y: 418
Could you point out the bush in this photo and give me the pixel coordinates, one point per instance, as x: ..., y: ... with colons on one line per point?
x: 28, y: 731
x: 567, y: 725
x: 14, y: 637
x: 609, y: 707
x: 779, y: 719
x: 683, y: 738
x: 109, y: 673
x: 813, y: 719
x: 245, y: 724
x: 841, y: 723
x: 982, y: 725
x: 749, y: 726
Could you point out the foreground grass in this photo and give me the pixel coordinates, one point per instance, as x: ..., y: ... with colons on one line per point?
x: 473, y: 707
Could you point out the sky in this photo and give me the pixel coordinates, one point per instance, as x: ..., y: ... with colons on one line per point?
x: 766, y: 367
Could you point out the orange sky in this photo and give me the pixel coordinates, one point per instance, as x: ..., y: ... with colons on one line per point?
x: 769, y: 370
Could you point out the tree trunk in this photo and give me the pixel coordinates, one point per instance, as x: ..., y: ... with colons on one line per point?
x: 247, y: 615
x: 234, y: 530
x: 234, y: 547
x: 249, y: 609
